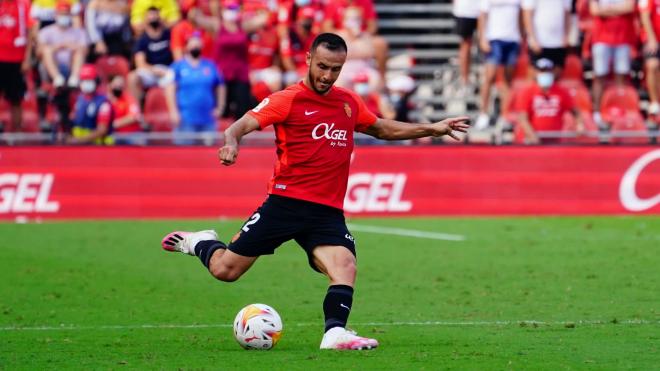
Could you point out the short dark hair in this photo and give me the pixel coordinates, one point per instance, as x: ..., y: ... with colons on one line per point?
x: 330, y: 41
x: 153, y: 9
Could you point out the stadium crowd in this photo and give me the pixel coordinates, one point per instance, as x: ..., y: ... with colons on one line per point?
x: 106, y: 71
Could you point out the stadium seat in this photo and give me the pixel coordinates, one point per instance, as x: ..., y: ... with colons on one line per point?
x: 620, y: 108
x: 573, y: 70
x: 112, y: 65
x: 156, y: 112
x: 570, y: 128
x: 580, y: 94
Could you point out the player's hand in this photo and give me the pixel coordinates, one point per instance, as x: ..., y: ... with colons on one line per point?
x: 228, y: 155
x: 450, y: 125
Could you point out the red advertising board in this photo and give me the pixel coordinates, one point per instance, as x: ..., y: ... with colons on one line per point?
x: 168, y: 182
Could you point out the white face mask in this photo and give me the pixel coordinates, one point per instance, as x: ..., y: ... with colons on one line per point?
x: 354, y: 25
x: 362, y: 88
x: 302, y: 3
x: 230, y: 15
x: 545, y: 79
x: 88, y: 86
x: 63, y: 20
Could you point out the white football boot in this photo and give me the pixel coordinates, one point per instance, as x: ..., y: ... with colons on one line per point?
x: 185, y: 241
x: 343, y: 339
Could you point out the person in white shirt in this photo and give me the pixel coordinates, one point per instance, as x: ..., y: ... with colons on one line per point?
x: 547, y: 25
x: 499, y: 33
x: 466, y: 13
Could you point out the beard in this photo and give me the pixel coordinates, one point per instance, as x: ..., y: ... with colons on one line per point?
x: 312, y: 82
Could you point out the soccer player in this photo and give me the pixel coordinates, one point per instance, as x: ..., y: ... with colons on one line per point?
x: 314, y: 124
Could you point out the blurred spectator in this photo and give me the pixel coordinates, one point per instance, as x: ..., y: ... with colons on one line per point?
x: 466, y: 13
x: 263, y: 48
x: 196, y: 95
x: 231, y: 57
x: 62, y: 48
x: 92, y: 117
x: 650, y: 15
x: 108, y: 27
x: 361, y: 55
x: 335, y: 18
x: 547, y: 26
x: 544, y: 106
x: 125, y: 113
x: 613, y: 35
x: 152, y: 56
x: 16, y: 45
x: 296, y: 43
x: 499, y: 30
x: 44, y: 12
x: 401, y: 88
x: 377, y: 104
x: 186, y: 27
x: 168, y: 9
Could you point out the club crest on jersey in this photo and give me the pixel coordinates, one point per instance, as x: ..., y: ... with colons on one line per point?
x: 347, y: 109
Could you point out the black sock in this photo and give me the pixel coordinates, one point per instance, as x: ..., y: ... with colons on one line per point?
x: 337, y: 306
x: 205, y: 249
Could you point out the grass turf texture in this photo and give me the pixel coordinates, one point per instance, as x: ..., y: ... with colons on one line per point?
x: 92, y: 276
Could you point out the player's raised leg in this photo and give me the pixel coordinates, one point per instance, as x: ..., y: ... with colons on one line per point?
x: 222, y: 264
x: 339, y: 264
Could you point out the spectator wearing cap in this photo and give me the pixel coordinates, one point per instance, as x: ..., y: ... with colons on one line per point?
x: 466, y: 13
x: 499, y: 31
x: 196, y: 95
x: 168, y: 13
x: 649, y: 11
x: 153, y: 56
x: 126, y: 115
x: 108, y: 28
x: 543, y: 107
x: 16, y: 44
x: 547, y: 25
x: 614, y: 35
x: 44, y: 12
x: 186, y: 27
x: 61, y: 48
x: 295, y: 44
x: 401, y: 88
x: 92, y: 116
x: 376, y: 103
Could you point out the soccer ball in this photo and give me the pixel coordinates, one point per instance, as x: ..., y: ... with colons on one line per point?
x: 257, y: 326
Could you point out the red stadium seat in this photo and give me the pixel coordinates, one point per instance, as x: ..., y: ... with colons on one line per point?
x: 620, y: 108
x: 112, y: 65
x: 156, y: 112
x: 573, y: 69
x: 580, y: 94
x: 570, y: 127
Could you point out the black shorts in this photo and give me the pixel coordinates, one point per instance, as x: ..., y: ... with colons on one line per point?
x: 556, y: 55
x: 280, y: 219
x: 465, y: 27
x: 12, y: 82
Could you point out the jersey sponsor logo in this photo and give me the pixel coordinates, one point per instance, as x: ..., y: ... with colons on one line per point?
x: 627, y: 188
x: 27, y: 193
x: 328, y: 131
x: 376, y: 192
x: 261, y: 105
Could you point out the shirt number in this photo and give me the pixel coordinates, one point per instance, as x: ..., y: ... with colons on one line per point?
x: 253, y: 219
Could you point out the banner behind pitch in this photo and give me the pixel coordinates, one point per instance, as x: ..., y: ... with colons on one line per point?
x: 115, y: 182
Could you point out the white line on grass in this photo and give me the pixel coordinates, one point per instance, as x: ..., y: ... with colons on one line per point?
x: 406, y: 232
x: 64, y: 327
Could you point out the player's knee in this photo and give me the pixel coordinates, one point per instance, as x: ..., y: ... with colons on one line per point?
x: 345, y: 268
x: 225, y: 273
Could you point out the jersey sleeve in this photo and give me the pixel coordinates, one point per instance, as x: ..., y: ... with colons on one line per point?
x: 365, y: 118
x: 273, y: 109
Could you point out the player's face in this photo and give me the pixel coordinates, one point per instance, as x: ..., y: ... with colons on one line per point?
x: 324, y: 68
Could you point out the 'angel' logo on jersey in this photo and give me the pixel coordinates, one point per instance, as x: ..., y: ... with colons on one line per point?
x: 328, y: 131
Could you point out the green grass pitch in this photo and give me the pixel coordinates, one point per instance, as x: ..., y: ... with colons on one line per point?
x: 518, y: 293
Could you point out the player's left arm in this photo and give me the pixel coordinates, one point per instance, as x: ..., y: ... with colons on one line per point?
x: 245, y: 125
x: 397, y: 130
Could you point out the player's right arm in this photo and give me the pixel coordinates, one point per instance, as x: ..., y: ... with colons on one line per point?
x: 229, y: 152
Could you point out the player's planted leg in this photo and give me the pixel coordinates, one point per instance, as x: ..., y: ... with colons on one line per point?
x: 339, y: 264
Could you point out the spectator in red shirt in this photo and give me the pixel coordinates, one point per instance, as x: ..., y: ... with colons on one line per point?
x: 335, y: 18
x: 295, y: 41
x: 126, y: 113
x: 376, y: 103
x: 14, y: 60
x: 544, y: 107
x: 613, y: 37
x: 186, y: 27
x: 263, y: 48
x: 650, y: 16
